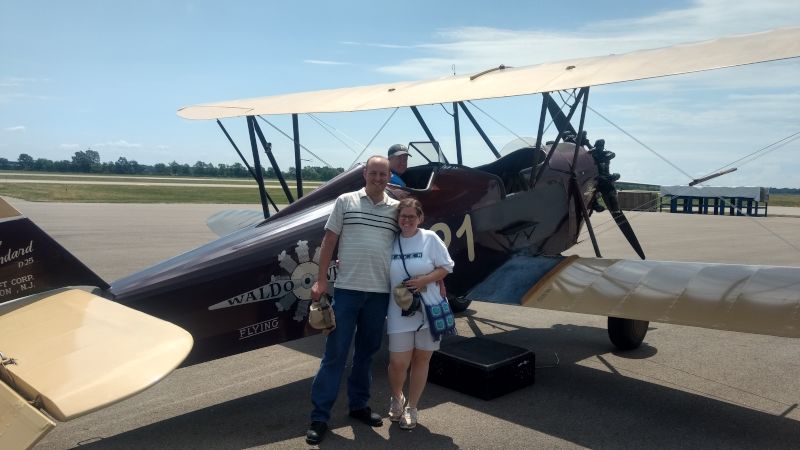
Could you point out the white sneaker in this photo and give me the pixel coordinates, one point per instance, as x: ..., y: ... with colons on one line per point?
x: 396, y: 408
x: 409, y: 419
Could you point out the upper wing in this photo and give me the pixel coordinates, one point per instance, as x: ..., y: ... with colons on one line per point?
x: 686, y: 58
x: 750, y: 299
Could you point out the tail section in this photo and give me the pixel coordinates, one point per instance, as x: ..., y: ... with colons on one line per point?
x: 32, y: 262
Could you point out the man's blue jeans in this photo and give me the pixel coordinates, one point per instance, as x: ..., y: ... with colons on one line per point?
x: 363, y: 313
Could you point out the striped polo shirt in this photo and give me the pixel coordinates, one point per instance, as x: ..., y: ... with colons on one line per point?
x: 366, y: 232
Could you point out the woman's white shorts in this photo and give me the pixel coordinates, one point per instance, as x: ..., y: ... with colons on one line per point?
x: 408, y: 340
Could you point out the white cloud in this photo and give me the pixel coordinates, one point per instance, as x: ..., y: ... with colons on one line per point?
x: 326, y: 63
x: 473, y: 49
x: 706, y: 19
x: 371, y: 44
x: 14, y: 89
x: 16, y: 128
x: 421, y: 67
x: 117, y: 144
x: 6, y: 98
x: 22, y: 81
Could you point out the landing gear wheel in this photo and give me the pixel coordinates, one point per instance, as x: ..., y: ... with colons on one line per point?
x: 458, y: 304
x: 627, y: 334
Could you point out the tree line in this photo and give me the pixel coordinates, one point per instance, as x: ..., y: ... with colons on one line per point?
x: 88, y: 161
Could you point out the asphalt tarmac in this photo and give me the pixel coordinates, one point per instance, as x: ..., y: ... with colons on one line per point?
x: 684, y: 388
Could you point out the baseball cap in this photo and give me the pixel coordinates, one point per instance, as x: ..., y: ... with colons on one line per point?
x: 397, y: 150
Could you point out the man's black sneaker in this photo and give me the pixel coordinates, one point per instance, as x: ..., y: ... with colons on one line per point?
x: 367, y: 416
x: 316, y: 431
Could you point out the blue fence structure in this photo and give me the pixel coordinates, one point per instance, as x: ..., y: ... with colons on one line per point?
x: 737, y: 201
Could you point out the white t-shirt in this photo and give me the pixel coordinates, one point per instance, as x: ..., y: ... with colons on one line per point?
x: 423, y: 252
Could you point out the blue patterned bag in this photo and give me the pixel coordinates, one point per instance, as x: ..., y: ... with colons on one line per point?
x: 441, y: 321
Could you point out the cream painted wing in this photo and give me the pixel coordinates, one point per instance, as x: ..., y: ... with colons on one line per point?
x: 506, y: 82
x: 71, y: 353
x: 745, y: 298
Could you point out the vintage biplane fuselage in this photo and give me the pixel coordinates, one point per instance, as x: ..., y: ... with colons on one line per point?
x: 251, y: 288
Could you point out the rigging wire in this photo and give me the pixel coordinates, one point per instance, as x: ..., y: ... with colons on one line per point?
x: 792, y: 138
x: 446, y: 111
x: 549, y: 124
x: 386, y: 122
x: 292, y: 139
x: 774, y: 144
x: 327, y: 127
x: 641, y: 143
x: 565, y: 102
x: 495, y: 120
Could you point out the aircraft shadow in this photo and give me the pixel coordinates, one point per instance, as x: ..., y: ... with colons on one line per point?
x: 581, y: 405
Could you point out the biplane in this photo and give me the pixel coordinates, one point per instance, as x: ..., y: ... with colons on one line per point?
x: 68, y: 351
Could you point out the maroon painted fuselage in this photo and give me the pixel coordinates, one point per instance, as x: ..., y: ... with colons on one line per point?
x: 251, y: 288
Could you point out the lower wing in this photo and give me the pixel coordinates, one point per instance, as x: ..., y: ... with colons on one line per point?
x: 70, y: 352
x: 745, y: 298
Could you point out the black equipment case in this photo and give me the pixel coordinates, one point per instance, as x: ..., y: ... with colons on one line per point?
x: 482, y: 367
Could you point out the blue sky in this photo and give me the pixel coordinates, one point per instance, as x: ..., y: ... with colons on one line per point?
x: 83, y: 74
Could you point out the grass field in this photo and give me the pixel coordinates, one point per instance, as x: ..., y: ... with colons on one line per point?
x: 163, y: 189
x: 784, y: 200
x: 84, y: 193
x: 107, y: 188
x: 10, y: 175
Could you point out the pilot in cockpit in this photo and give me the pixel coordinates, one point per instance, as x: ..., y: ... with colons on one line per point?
x: 398, y: 162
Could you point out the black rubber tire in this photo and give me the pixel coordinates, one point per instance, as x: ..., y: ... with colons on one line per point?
x: 458, y: 304
x: 627, y: 334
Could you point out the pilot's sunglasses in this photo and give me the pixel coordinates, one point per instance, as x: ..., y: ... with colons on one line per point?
x: 407, y: 217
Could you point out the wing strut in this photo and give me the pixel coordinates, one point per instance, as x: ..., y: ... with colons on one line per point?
x: 560, y: 124
x: 480, y: 130
x: 421, y: 121
x: 576, y: 189
x: 262, y: 191
x: 457, y: 128
x: 298, y: 173
x: 268, y: 151
x: 539, y: 137
x: 250, y: 169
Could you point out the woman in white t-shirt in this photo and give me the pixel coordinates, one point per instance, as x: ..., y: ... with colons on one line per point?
x: 410, y: 342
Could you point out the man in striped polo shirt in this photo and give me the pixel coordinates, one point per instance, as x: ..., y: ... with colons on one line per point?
x: 364, y: 224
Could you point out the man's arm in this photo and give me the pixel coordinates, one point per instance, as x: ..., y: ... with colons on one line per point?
x: 420, y: 282
x: 325, y: 255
